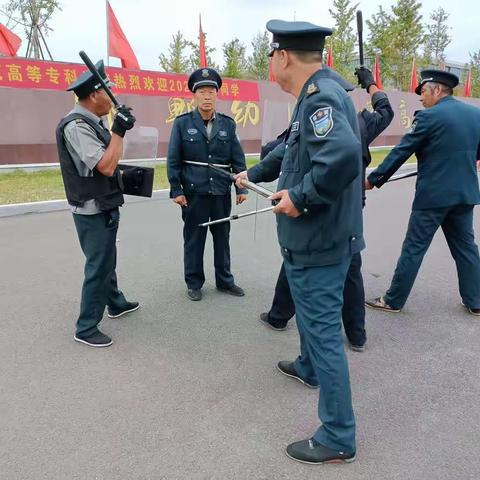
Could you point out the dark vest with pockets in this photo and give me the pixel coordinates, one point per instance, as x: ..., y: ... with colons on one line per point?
x: 107, y: 191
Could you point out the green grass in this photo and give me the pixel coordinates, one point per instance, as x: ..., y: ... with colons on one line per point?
x: 22, y: 186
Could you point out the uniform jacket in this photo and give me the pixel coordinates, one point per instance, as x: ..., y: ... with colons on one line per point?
x: 189, y: 141
x: 320, y: 163
x: 446, y: 141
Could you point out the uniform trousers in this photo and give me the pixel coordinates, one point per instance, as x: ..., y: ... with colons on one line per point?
x: 457, y: 225
x: 201, y: 209
x: 353, y: 310
x: 317, y: 294
x: 97, y: 235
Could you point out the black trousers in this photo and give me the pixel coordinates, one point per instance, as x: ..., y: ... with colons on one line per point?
x: 353, y: 311
x: 201, y: 209
x: 97, y: 235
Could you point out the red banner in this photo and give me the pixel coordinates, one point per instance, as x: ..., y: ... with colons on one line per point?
x: 24, y: 73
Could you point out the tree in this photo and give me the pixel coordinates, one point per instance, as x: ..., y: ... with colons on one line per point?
x: 407, y: 37
x: 475, y: 66
x: 176, y: 61
x: 33, y: 16
x: 235, y: 62
x: 399, y: 36
x: 379, y: 41
x: 437, y: 38
x: 343, y: 39
x: 194, y: 59
x: 258, y: 62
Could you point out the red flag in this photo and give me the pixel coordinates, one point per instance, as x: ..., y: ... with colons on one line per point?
x: 271, y: 76
x: 202, y: 51
x: 330, y: 57
x: 9, y: 42
x: 378, y: 80
x: 118, y: 45
x: 413, y: 78
x: 467, y: 88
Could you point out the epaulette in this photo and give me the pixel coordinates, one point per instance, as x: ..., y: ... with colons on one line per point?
x: 312, y: 88
x: 226, y: 116
x: 182, y: 115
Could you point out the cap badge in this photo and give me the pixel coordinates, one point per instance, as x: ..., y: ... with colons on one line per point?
x: 205, y: 73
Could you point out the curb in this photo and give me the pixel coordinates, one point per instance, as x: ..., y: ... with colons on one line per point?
x: 57, y: 205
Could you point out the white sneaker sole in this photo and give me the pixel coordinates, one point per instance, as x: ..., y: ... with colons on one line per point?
x: 470, y: 310
x: 95, y: 345
x: 313, y: 387
x: 327, y: 462
x: 123, y: 313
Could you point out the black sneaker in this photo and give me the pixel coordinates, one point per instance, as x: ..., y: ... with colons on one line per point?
x: 288, y: 369
x: 194, y: 295
x: 356, y: 348
x: 379, y: 304
x: 97, y: 339
x: 312, y: 452
x: 265, y: 319
x: 232, y: 290
x: 473, y: 311
x: 129, y: 307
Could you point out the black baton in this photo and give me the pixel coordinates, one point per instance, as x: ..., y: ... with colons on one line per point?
x: 360, y: 37
x: 95, y: 73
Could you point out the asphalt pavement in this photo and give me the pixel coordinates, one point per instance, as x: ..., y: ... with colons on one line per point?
x: 189, y: 390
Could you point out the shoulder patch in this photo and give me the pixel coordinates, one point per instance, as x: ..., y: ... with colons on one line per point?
x: 322, y: 121
x: 412, y: 127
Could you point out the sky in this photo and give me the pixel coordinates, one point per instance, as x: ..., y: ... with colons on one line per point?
x: 150, y: 24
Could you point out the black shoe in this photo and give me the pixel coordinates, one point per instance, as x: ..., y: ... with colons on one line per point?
x: 288, y: 369
x: 473, y: 311
x: 379, y: 304
x: 129, y: 307
x: 265, y: 319
x: 194, y: 295
x: 312, y: 452
x: 232, y: 290
x: 97, y: 339
x: 356, y: 348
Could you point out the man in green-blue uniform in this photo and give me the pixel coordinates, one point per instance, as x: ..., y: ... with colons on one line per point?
x: 319, y: 225
x: 89, y: 156
x: 201, y: 137
x: 445, y: 137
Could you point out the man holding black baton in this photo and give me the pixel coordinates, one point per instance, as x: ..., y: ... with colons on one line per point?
x: 353, y: 312
x: 89, y: 156
x: 445, y: 137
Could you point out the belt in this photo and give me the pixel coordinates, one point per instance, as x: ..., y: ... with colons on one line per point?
x: 205, y: 164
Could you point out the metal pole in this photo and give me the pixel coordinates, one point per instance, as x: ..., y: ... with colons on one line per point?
x: 235, y: 217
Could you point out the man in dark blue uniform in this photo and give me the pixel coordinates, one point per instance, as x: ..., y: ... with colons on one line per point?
x: 319, y: 225
x: 445, y: 137
x: 199, y: 138
x: 353, y: 312
x: 89, y: 156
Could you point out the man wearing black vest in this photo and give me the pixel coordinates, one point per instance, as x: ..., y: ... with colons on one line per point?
x: 89, y: 156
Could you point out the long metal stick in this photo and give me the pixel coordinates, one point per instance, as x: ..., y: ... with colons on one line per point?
x: 246, y: 183
x: 402, y: 176
x: 235, y: 217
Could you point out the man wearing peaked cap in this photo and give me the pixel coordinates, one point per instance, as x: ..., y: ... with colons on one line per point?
x: 445, y: 138
x: 89, y: 156
x: 199, y: 138
x: 319, y: 226
x: 436, y: 76
x: 204, y: 77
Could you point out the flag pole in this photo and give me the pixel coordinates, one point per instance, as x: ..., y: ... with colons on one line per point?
x: 108, y: 33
